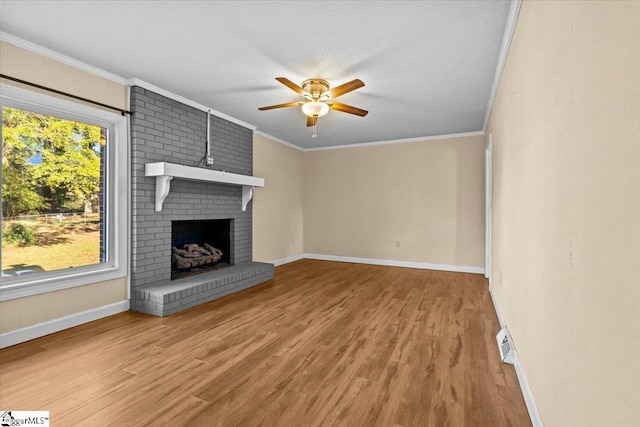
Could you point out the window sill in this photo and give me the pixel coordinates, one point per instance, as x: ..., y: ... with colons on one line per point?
x: 31, y: 284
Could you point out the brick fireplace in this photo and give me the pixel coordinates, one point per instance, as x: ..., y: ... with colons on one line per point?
x: 164, y: 130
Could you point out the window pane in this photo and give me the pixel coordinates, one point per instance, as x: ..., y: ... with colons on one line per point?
x: 53, y: 204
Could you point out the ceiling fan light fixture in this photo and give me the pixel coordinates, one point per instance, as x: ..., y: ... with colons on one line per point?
x: 315, y: 108
x: 319, y: 99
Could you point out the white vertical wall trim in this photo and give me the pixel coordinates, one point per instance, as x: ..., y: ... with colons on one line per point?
x: 129, y: 193
x: 41, y: 329
x: 502, y: 59
x: 534, y: 415
x: 488, y: 188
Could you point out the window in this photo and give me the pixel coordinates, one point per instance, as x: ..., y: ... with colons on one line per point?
x: 64, y: 194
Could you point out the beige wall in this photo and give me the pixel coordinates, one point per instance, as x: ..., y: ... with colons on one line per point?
x: 566, y: 242
x: 23, y: 312
x: 417, y: 202
x: 277, y: 208
x: 25, y: 65
x: 359, y: 202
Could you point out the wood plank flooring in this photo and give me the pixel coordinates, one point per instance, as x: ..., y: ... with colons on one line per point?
x: 322, y: 344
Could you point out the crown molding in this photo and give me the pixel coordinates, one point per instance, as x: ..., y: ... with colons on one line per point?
x: 399, y: 141
x: 48, y: 53
x: 370, y: 144
x: 186, y: 101
x: 278, y: 140
x: 509, y: 29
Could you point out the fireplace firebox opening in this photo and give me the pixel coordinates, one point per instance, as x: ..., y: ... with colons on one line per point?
x: 199, y: 246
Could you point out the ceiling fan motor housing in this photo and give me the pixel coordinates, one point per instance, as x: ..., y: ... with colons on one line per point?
x: 315, y: 87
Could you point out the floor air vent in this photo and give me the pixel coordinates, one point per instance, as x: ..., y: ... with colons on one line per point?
x: 505, y: 345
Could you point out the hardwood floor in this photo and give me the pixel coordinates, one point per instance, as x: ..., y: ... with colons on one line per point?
x: 322, y: 344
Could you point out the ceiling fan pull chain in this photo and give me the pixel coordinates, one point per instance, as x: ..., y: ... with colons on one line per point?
x: 314, y: 129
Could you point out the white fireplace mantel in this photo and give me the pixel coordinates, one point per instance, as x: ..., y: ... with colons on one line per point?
x: 165, y: 172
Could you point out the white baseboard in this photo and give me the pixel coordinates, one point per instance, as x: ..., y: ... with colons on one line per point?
x: 41, y: 329
x: 497, y: 308
x: 526, y: 392
x: 395, y: 263
x: 534, y: 415
x: 287, y: 260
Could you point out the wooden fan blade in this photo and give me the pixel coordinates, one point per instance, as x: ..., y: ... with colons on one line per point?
x: 271, y: 107
x: 338, y: 106
x: 344, y: 88
x: 291, y: 85
x: 311, y: 121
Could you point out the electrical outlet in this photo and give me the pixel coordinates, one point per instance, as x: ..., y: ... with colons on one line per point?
x: 209, y: 160
x: 397, y: 244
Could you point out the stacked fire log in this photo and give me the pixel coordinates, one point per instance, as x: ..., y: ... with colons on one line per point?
x: 194, y: 255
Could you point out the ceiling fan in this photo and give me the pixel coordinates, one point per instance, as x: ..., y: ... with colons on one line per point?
x: 319, y: 99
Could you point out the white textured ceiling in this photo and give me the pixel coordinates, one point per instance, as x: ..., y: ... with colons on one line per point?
x: 428, y: 66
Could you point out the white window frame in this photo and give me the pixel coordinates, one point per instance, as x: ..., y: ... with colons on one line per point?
x: 116, y: 191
